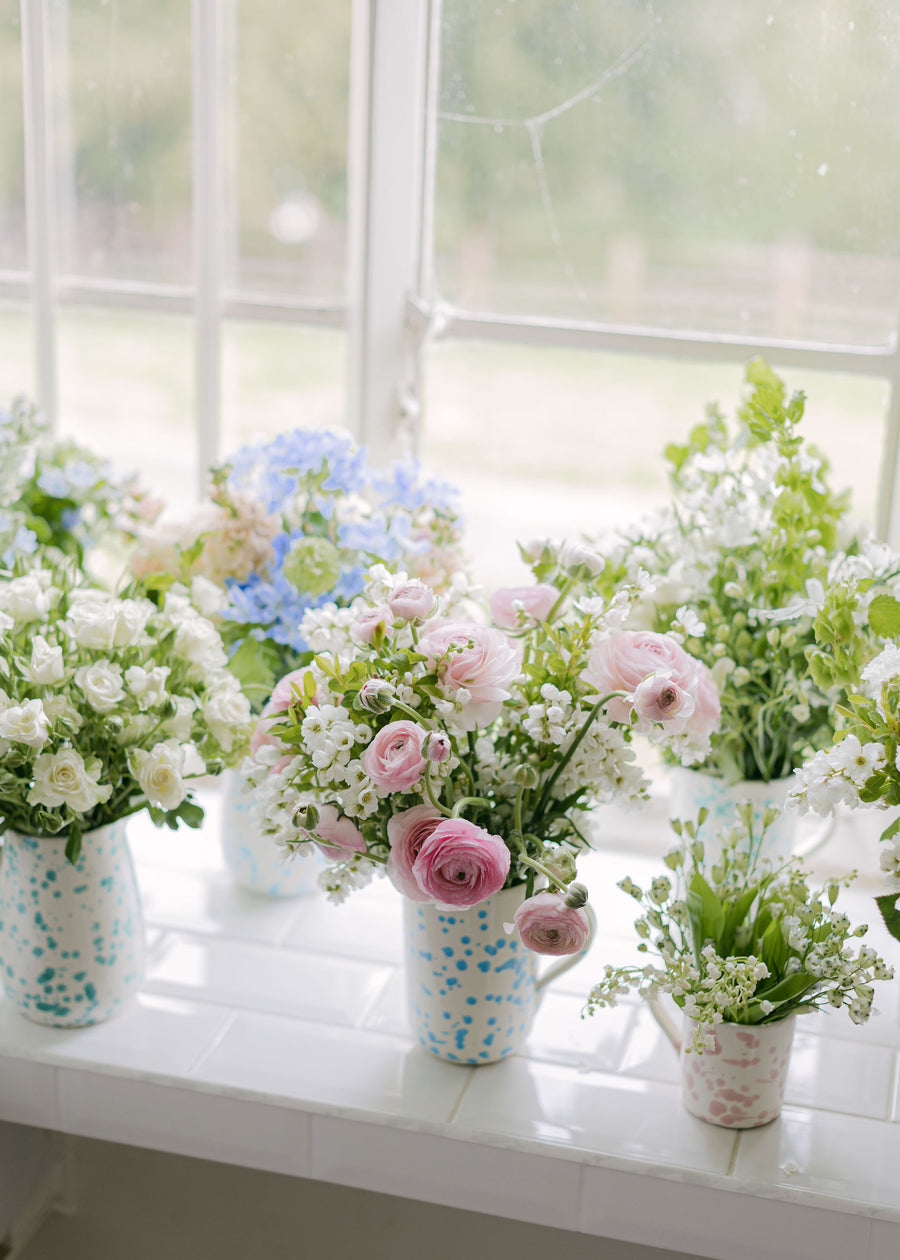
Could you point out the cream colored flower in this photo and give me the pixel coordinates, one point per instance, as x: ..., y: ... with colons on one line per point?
x: 159, y: 773
x: 226, y: 709
x: 46, y: 666
x: 62, y: 778
x: 25, y: 724
x: 101, y: 684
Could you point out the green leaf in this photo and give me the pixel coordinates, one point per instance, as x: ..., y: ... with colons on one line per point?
x: 890, y: 831
x: 887, y: 904
x: 790, y: 987
x: 705, y: 911
x: 73, y: 844
x: 255, y: 665
x: 884, y: 616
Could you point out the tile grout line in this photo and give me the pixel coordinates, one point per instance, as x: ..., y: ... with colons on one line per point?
x: 215, y: 1042
x: 732, y: 1162
x: 892, y: 1088
x: 462, y: 1093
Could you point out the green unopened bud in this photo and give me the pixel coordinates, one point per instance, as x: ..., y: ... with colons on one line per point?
x: 525, y: 776
x: 576, y: 897
x: 306, y: 818
x: 376, y: 695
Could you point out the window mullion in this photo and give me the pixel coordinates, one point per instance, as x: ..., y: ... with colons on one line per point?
x: 207, y: 104
x: 39, y: 198
x: 385, y: 164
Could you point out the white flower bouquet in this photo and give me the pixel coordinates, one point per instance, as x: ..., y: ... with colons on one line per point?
x: 742, y: 557
x: 108, y: 704
x: 458, y: 749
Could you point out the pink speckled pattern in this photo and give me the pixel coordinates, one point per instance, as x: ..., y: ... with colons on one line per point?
x: 740, y: 1084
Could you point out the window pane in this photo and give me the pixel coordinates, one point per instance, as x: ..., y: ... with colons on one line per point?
x: 13, y: 245
x: 559, y: 442
x: 126, y: 390
x: 291, y: 61
x: 643, y: 164
x: 122, y: 115
x: 280, y: 376
x: 17, y: 354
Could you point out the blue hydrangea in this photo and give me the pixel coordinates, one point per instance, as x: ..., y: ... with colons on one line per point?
x: 329, y: 467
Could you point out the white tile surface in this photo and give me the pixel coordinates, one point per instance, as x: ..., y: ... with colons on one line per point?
x: 185, y: 1122
x: 559, y: 1034
x: 884, y: 1241
x: 444, y: 1170
x: 333, y: 1068
x: 263, y: 978
x: 712, y: 1222
x: 649, y: 1055
x: 613, y: 1116
x: 210, y: 902
x: 160, y: 1035
x: 852, y: 1159
x: 368, y: 925
x: 837, y: 1075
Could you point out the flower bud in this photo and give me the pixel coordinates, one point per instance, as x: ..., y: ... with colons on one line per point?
x: 561, y: 864
x: 525, y: 776
x: 576, y: 896
x: 306, y: 818
x: 376, y: 695
x: 436, y: 746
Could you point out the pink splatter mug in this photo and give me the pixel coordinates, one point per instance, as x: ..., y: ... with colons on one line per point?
x: 740, y: 1083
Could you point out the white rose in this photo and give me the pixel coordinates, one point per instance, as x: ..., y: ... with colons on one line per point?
x: 148, y: 686
x: 29, y: 597
x: 197, y: 640
x: 6, y: 622
x: 131, y: 617
x: 101, y: 684
x: 25, y: 724
x: 225, y: 710
x: 57, y: 707
x: 159, y: 774
x: 46, y: 663
x: 92, y: 622
x: 207, y: 597
x: 182, y: 721
x: 62, y: 778
x: 135, y: 730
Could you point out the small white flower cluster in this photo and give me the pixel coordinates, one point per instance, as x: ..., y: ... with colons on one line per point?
x: 834, y: 776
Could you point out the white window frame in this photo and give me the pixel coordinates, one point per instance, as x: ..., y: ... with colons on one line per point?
x: 392, y: 309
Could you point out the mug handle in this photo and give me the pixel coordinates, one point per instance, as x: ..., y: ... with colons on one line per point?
x: 665, y: 1021
x: 560, y: 968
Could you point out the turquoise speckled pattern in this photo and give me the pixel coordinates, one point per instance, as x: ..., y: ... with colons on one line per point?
x: 71, y: 937
x: 254, y: 860
x: 471, y: 987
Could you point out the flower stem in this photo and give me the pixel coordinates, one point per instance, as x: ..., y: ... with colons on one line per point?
x: 570, y: 751
x: 429, y: 789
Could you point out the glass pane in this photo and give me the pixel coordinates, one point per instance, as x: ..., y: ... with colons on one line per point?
x: 277, y: 377
x: 17, y: 353
x: 291, y: 65
x: 13, y: 244
x: 126, y: 390
x: 561, y: 442
x: 643, y: 164
x: 122, y: 116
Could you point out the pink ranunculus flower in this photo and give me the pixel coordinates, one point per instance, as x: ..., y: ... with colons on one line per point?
x: 412, y: 601
x: 659, y: 699
x: 625, y: 659
x: 343, y: 836
x: 546, y: 925
x: 477, y: 659
x: 393, y: 760
x: 277, y: 703
x: 536, y: 602
x: 407, y: 832
x: 460, y: 864
x: 437, y: 747
x: 364, y: 627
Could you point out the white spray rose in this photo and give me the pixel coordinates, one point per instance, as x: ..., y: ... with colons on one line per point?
x: 130, y: 619
x: 28, y: 597
x: 207, y: 597
x: 62, y: 778
x: 101, y: 684
x: 226, y: 708
x: 57, y: 707
x: 181, y: 723
x: 197, y: 640
x: 159, y: 773
x: 25, y: 724
x: 46, y: 666
x: 92, y: 622
x: 148, y: 686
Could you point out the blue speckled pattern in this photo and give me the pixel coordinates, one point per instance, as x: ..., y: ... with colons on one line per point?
x: 71, y: 937
x: 471, y: 988
x: 255, y: 861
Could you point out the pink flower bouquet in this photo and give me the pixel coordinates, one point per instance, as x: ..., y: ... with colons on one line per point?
x: 457, y: 748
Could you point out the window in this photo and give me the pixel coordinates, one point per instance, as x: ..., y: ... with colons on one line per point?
x: 529, y: 239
